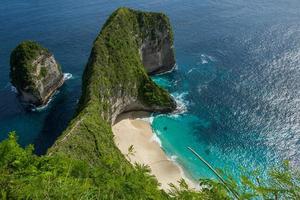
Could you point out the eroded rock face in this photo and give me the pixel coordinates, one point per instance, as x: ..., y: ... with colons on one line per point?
x: 157, y: 53
x: 35, y: 73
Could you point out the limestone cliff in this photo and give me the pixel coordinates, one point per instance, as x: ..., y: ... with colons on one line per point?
x: 156, y: 42
x: 35, y: 73
x: 130, y: 45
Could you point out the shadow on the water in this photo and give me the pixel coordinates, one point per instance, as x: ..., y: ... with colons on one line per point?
x: 10, y: 104
x: 59, y: 115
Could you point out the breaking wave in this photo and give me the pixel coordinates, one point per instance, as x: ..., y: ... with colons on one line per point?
x: 43, y: 107
x: 181, y: 101
x: 155, y: 138
x: 67, y: 76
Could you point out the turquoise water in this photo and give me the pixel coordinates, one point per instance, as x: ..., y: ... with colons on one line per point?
x: 236, y: 82
x: 183, y: 128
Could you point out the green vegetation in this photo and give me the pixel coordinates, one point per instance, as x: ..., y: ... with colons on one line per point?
x: 84, y: 163
x: 115, y: 58
x: 152, y: 95
x: 21, y: 59
x: 281, y: 182
x: 43, y: 72
x: 27, y: 176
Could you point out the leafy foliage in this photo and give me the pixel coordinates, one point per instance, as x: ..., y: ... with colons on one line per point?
x: 152, y: 95
x: 43, y: 72
x: 27, y: 176
x: 281, y: 183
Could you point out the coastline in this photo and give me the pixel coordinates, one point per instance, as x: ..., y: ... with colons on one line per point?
x: 130, y: 130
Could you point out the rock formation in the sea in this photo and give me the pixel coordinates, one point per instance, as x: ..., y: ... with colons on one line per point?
x: 131, y: 45
x: 35, y: 73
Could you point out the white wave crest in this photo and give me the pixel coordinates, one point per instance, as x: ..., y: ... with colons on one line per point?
x: 176, y: 66
x: 40, y: 108
x: 191, y: 70
x: 206, y: 59
x: 67, y: 76
x: 171, y: 70
x: 13, y: 89
x: 147, y: 119
x: 181, y: 102
x: 173, y: 158
x: 43, y: 107
x: 156, y: 139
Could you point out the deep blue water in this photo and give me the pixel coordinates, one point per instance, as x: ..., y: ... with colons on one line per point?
x: 237, y: 79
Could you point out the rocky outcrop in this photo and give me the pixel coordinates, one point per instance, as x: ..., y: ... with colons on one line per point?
x: 35, y: 73
x: 131, y: 45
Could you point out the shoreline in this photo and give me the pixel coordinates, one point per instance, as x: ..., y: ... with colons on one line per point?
x: 130, y: 129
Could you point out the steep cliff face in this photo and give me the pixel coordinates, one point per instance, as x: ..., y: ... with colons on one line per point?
x: 35, y: 73
x: 130, y: 45
x: 156, y: 44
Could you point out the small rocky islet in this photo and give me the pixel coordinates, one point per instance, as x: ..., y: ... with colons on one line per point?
x: 34, y: 73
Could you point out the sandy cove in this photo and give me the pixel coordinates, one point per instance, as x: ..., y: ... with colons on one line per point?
x: 130, y: 129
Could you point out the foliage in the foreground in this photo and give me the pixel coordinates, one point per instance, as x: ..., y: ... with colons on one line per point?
x: 281, y: 182
x: 27, y: 176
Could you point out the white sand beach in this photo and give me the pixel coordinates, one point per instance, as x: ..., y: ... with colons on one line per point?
x: 129, y: 130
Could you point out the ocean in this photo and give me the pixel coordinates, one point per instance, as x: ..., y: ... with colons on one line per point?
x: 236, y: 79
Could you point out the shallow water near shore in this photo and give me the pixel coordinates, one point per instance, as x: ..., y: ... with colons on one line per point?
x: 236, y: 81
x: 134, y: 130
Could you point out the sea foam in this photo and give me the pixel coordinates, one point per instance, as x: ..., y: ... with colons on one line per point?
x: 206, y: 59
x: 67, y: 76
x: 155, y: 138
x: 13, y: 89
x: 181, y: 102
x: 171, y: 70
x: 147, y: 119
x: 43, y: 107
